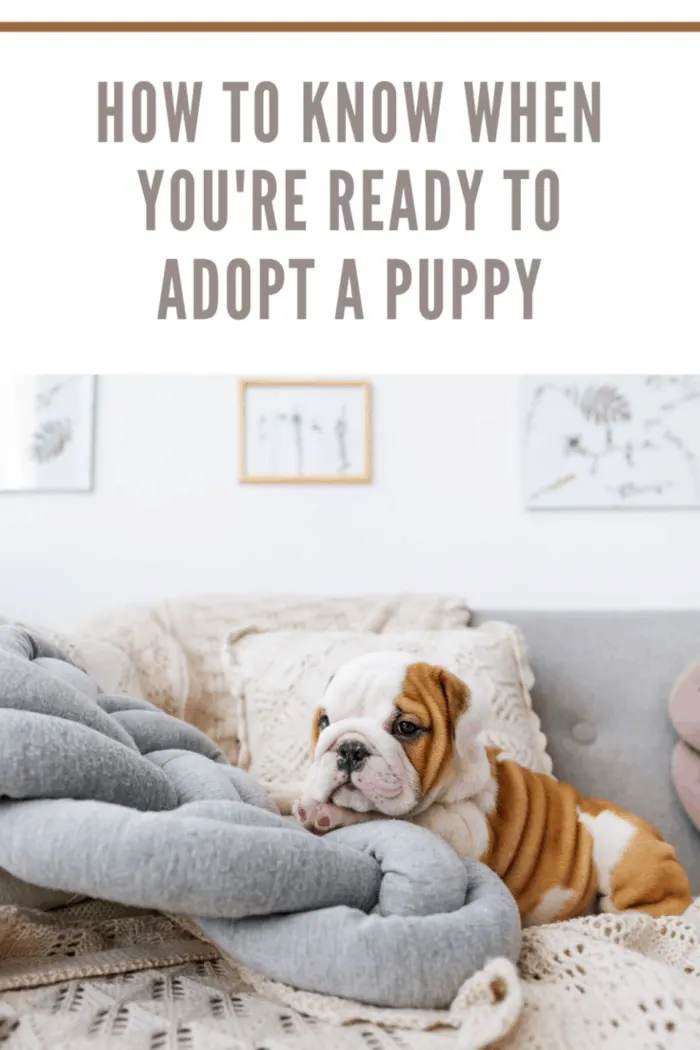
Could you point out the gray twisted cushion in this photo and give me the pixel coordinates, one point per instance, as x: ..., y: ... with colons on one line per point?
x: 111, y: 798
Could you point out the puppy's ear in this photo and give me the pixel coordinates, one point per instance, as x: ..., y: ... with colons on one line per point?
x: 456, y: 693
x: 466, y: 709
x: 315, y: 729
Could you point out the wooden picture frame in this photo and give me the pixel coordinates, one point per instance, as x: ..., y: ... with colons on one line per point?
x: 306, y: 439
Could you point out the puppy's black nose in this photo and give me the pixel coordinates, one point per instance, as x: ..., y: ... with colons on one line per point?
x: 351, y: 755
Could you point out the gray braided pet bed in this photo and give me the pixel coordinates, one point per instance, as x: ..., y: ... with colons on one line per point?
x: 109, y: 797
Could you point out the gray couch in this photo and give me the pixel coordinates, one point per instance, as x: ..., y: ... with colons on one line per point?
x: 602, y: 687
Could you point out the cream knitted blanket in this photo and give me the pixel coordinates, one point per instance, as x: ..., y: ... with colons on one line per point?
x: 174, y: 647
x: 127, y: 980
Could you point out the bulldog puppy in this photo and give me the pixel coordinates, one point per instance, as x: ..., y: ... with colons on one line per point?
x: 398, y: 738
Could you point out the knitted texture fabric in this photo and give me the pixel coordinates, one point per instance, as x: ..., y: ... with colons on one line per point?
x: 624, y: 982
x: 89, y: 938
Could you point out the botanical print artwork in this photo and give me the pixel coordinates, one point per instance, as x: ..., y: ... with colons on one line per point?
x: 611, y: 441
x: 305, y: 431
x: 46, y: 433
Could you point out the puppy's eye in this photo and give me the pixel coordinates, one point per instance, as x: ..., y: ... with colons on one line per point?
x: 323, y: 722
x: 406, y: 728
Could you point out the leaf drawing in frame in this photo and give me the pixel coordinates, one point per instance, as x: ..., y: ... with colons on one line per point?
x: 50, y: 440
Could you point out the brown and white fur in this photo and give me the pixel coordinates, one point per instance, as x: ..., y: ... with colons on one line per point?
x: 558, y: 851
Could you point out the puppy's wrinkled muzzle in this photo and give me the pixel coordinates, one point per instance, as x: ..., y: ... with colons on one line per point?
x: 359, y: 765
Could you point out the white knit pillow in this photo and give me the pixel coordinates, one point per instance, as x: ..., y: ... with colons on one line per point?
x: 277, y: 680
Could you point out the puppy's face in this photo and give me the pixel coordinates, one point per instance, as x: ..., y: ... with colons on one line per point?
x: 387, y: 733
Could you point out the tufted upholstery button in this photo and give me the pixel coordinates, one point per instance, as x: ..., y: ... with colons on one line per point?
x: 584, y: 733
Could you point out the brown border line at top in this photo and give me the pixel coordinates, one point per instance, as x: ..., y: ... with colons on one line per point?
x: 349, y: 27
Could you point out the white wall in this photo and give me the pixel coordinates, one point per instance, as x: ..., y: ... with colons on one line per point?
x: 445, y: 514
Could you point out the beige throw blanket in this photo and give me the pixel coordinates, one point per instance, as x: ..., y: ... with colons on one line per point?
x: 138, y: 979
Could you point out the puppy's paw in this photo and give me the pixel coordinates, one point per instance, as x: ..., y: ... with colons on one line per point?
x: 318, y: 816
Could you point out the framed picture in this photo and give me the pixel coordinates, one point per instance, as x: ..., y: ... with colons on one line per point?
x: 611, y: 441
x: 305, y: 431
x: 47, y: 428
